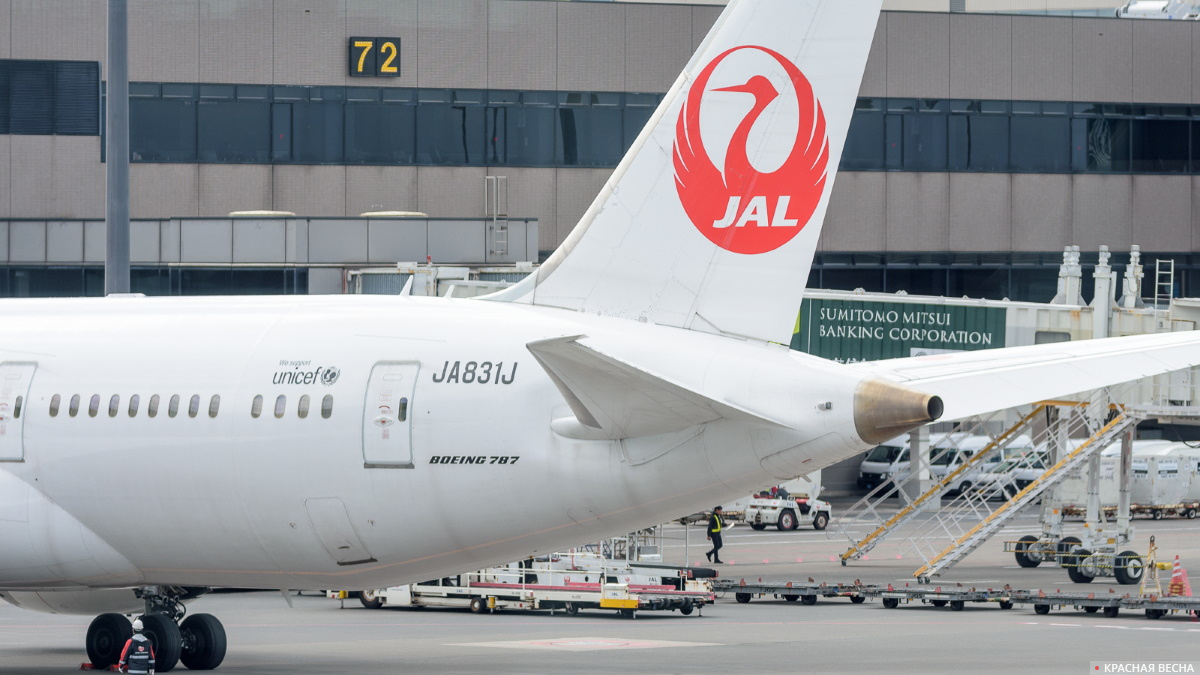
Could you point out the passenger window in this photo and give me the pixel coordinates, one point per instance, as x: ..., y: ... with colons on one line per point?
x: 55, y: 401
x: 152, y: 409
x: 302, y: 409
x: 194, y: 405
x: 280, y: 406
x: 173, y: 406
x: 17, y: 407
x: 73, y: 410
x: 134, y: 401
x: 114, y: 405
x: 94, y: 405
x: 214, y: 404
x: 327, y: 406
x: 402, y: 415
x: 256, y: 407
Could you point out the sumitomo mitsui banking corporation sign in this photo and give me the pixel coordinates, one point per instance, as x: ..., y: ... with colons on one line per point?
x: 850, y: 331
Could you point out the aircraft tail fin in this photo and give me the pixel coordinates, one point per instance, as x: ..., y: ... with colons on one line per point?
x: 711, y: 220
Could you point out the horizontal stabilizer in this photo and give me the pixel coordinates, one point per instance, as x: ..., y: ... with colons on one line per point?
x: 620, y: 400
x: 972, y: 383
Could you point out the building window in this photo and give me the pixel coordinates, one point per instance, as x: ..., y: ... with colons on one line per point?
x: 48, y: 98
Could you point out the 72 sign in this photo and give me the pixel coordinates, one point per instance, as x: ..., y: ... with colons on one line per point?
x: 374, y: 57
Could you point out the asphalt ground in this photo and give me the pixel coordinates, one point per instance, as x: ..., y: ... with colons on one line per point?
x: 765, y: 635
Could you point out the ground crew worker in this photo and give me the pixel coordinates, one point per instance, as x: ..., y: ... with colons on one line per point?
x: 138, y: 656
x: 714, y: 535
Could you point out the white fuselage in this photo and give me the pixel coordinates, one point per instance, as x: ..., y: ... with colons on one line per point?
x: 278, y: 502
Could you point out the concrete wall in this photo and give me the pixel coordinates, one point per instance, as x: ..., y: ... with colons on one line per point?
x: 535, y: 44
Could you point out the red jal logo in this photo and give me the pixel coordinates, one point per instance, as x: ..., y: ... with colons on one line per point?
x: 742, y: 209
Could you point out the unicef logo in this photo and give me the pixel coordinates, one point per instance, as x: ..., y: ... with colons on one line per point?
x: 330, y: 375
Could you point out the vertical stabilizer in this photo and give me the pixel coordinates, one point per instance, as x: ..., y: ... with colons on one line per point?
x: 711, y: 220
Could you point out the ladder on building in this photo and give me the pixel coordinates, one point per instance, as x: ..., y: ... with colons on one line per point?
x: 1164, y: 284
x: 952, y: 522
x: 906, y: 514
x: 495, y: 207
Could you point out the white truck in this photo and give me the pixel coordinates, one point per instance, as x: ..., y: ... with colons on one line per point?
x: 788, y: 506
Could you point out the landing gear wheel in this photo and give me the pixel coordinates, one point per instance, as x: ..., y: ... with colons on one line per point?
x: 1073, y: 561
x: 572, y: 609
x: 370, y: 600
x: 1041, y: 609
x: 808, y: 599
x: 891, y: 603
x: 938, y: 603
x: 757, y: 526
x: 203, y: 642
x: 166, y: 639
x: 791, y: 598
x: 106, y: 637
x: 478, y: 606
x: 957, y: 605
x: 1022, y: 553
x: 742, y: 597
x: 1006, y: 604
x: 1155, y: 613
x: 1064, y: 547
x: 1129, y: 568
x: 857, y: 599
x: 787, y: 520
x: 821, y: 521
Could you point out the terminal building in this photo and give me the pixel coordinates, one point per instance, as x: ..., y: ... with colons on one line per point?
x: 984, y: 141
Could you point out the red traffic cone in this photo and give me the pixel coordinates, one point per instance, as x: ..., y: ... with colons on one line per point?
x: 1180, y: 586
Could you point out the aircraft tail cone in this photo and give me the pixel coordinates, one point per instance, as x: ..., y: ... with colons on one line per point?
x: 883, y: 410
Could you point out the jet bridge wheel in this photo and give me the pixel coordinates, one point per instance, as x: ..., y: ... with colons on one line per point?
x: 165, y: 637
x: 203, y: 642
x: 1074, y: 563
x: 106, y: 637
x: 1129, y: 568
x: 1024, y: 545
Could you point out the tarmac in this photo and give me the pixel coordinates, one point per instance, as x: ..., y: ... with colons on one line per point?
x: 765, y: 635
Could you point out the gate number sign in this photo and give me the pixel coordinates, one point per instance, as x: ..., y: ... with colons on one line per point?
x: 374, y: 57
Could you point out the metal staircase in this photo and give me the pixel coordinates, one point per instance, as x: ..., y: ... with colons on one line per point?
x: 954, y: 521
x: 911, y: 511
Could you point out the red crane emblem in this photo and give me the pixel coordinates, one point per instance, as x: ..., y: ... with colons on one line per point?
x: 742, y: 209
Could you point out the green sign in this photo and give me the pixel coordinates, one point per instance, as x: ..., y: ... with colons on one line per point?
x: 848, y: 330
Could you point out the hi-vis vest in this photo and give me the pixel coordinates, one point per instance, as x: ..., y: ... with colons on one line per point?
x: 717, y: 520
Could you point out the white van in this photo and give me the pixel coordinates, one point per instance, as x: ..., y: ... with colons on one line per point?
x: 884, y: 462
x: 889, y: 461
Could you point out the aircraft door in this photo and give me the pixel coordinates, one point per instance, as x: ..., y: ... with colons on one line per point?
x: 387, y: 417
x: 14, y: 404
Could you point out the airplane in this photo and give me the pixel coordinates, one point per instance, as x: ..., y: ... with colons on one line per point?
x: 152, y: 449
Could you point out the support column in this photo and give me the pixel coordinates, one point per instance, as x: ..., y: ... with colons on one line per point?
x: 1124, y: 522
x: 1052, y: 517
x: 116, y: 259
x: 920, y: 480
